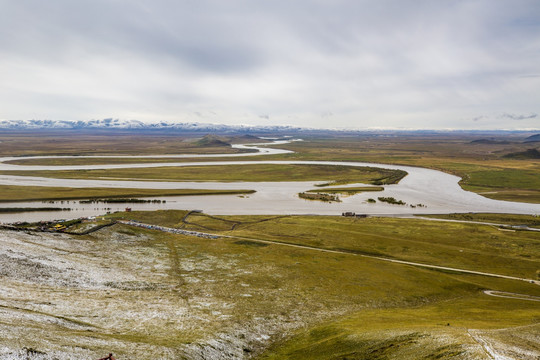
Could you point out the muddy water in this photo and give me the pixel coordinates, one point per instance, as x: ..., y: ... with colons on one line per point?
x: 437, y: 191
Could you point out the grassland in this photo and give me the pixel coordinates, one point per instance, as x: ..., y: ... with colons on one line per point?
x: 41, y: 193
x: 319, y: 197
x: 426, y: 332
x: 483, y: 165
x: 396, y: 319
x: 508, y: 219
x: 347, y: 190
x: 145, y: 294
x: 72, y: 142
x: 237, y: 298
x: 262, y: 172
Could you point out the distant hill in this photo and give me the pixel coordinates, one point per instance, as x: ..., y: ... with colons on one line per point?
x: 211, y: 141
x: 533, y: 138
x: 523, y: 155
x: 246, y: 139
x: 490, y: 141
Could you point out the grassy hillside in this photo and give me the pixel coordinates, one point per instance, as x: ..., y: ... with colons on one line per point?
x: 142, y: 293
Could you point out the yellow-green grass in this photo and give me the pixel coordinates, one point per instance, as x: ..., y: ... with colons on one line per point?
x: 397, y: 311
x: 460, y: 245
x: 303, y: 299
x: 319, y: 197
x: 71, y: 142
x: 482, y: 166
x: 347, y: 190
x: 14, y: 193
x: 259, y: 172
x: 76, y: 160
x: 285, y: 284
x: 434, y: 331
x: 168, y: 218
x: 113, y: 160
x: 508, y: 219
x: 467, y: 246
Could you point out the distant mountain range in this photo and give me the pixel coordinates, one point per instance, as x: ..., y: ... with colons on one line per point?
x: 533, y: 138
x: 175, y: 127
x: 139, y: 125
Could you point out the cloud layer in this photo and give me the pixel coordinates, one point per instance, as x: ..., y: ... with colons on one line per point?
x: 319, y: 63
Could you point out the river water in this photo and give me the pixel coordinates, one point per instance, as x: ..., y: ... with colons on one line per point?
x: 437, y: 191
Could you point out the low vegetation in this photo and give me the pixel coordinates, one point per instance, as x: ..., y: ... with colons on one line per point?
x: 527, y: 154
x: 258, y: 172
x: 279, y: 287
x: 122, y: 200
x: 347, y: 190
x: 13, y: 193
x: 30, y: 209
x: 480, y: 164
x: 319, y: 197
x: 391, y: 200
x: 73, y: 142
x: 271, y: 300
x: 508, y: 219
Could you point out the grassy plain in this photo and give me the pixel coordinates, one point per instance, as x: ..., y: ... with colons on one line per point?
x: 385, y: 310
x: 483, y: 165
x: 347, y: 190
x: 508, y: 219
x: 37, y: 193
x: 245, y: 298
x: 262, y: 172
x: 73, y: 142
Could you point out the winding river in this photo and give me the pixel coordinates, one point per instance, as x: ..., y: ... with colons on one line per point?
x: 438, y: 191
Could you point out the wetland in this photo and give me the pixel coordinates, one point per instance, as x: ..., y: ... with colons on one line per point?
x: 255, y: 272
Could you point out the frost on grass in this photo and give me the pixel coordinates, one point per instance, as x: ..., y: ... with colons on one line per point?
x: 65, y: 297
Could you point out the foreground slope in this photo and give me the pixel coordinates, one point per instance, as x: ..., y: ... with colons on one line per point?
x: 142, y: 293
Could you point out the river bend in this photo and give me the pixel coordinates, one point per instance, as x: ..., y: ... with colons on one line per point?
x: 438, y: 191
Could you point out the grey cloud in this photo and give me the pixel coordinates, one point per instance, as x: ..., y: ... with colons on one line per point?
x: 519, y: 116
x: 374, y: 63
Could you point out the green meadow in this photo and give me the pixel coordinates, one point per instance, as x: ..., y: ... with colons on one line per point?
x: 42, y: 193
x: 359, y: 307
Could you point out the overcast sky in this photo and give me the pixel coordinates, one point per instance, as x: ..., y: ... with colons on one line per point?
x: 332, y: 63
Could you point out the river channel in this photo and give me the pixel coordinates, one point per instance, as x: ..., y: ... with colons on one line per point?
x: 437, y: 191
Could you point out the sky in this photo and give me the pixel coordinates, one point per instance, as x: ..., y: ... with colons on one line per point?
x: 422, y: 64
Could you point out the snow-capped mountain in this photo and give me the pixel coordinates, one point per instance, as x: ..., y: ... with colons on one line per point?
x: 137, y: 125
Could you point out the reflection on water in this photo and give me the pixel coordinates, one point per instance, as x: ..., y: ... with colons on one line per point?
x: 438, y: 191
